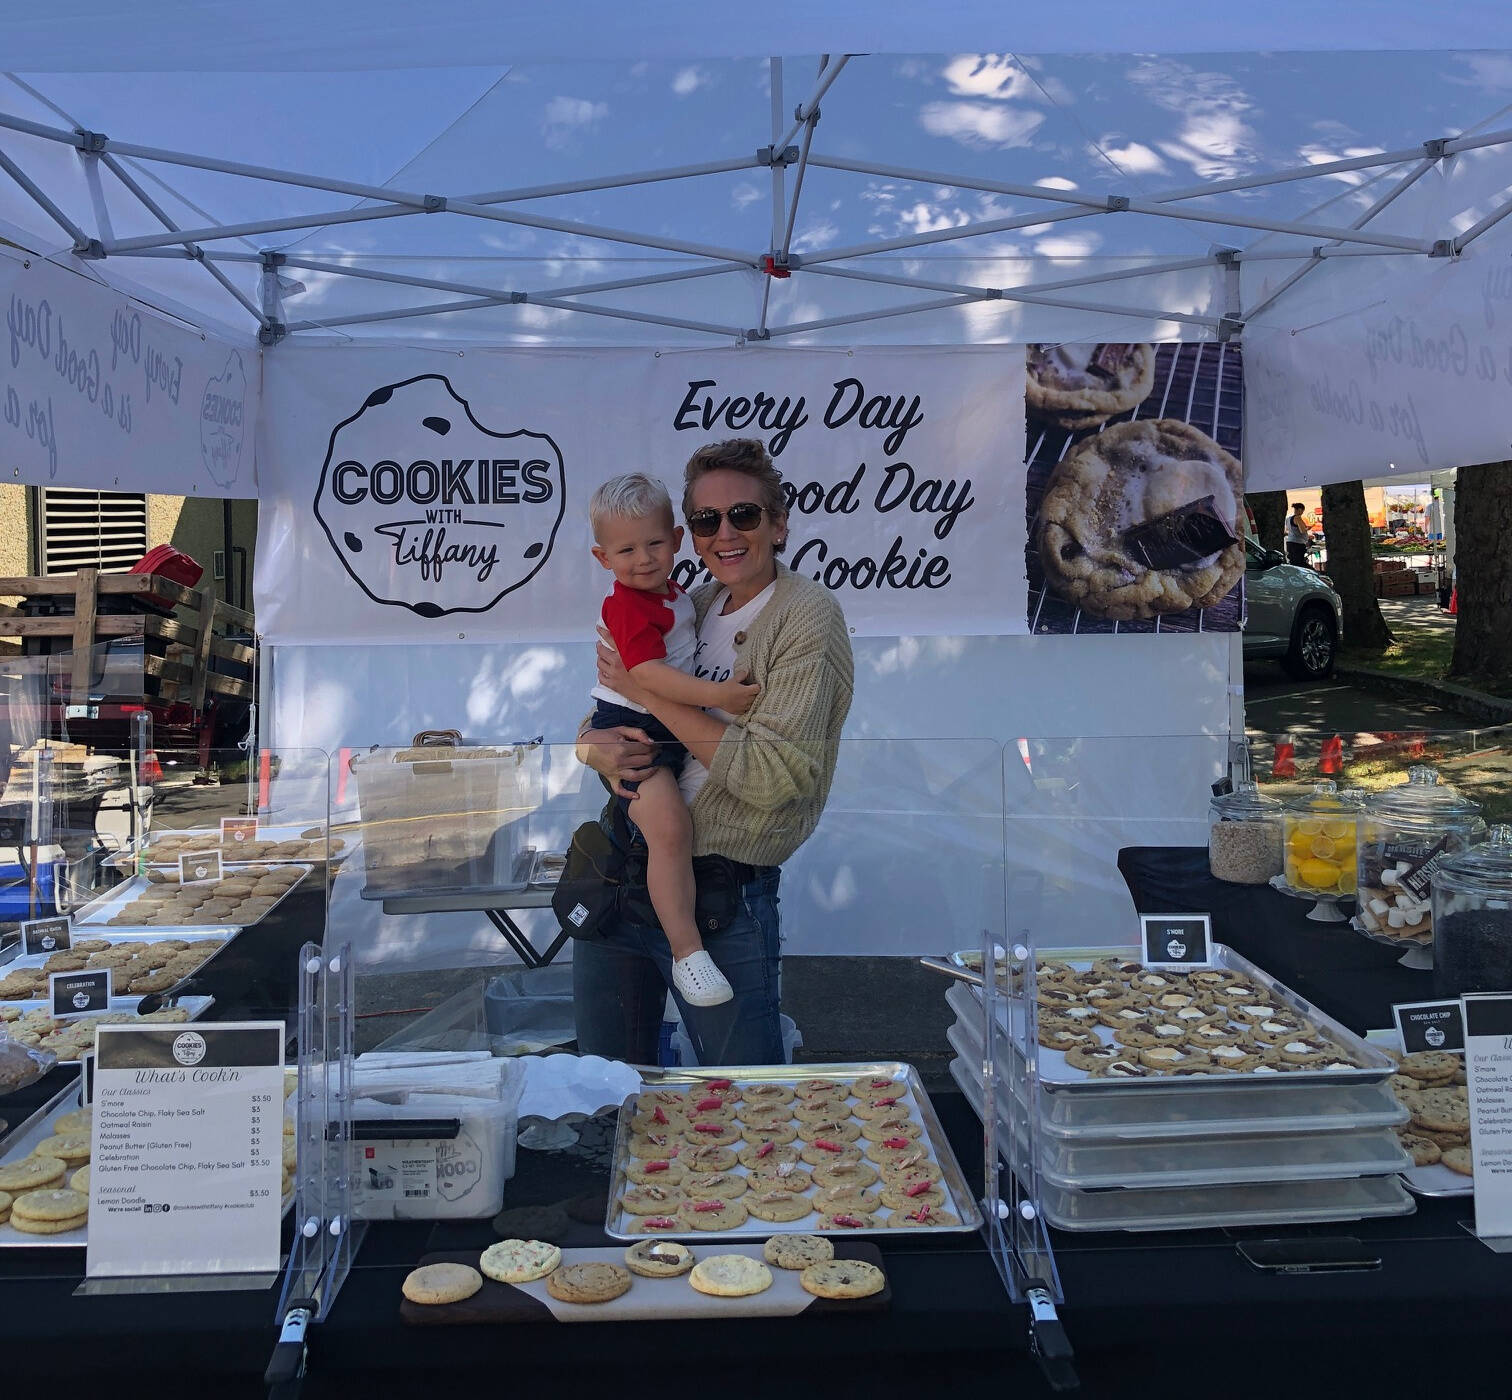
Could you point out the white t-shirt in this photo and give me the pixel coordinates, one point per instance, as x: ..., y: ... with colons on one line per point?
x: 714, y: 660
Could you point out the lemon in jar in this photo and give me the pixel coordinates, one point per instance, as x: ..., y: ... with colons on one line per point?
x: 1318, y: 874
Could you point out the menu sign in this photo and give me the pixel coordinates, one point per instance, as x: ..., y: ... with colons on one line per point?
x: 188, y: 1141
x: 1488, y: 1068
x: 1430, y: 1025
x: 237, y: 831
x: 46, y: 935
x: 197, y: 867
x: 1176, y: 940
x: 78, y: 993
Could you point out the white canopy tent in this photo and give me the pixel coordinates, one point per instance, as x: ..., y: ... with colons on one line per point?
x: 299, y: 186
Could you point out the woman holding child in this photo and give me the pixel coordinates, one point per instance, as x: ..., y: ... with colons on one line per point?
x: 754, y: 779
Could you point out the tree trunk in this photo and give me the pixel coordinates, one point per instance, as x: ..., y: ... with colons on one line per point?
x: 1346, y: 528
x: 1483, y: 573
x: 1270, y: 508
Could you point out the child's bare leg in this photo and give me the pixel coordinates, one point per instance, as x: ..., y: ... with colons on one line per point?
x: 662, y: 816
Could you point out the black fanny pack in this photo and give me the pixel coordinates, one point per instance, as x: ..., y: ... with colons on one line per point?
x: 605, y: 879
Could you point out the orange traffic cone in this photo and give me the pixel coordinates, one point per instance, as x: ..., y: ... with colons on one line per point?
x: 1454, y: 602
x: 1284, y: 762
x: 151, y: 769
x: 1331, y: 756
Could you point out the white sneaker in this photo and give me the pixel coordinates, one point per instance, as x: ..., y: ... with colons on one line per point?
x: 699, y: 982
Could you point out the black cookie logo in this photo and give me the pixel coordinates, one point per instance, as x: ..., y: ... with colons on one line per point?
x: 1176, y: 948
x: 1434, y: 1036
x: 222, y: 407
x: 431, y: 511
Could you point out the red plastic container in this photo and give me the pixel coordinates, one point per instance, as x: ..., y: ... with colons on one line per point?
x: 169, y: 563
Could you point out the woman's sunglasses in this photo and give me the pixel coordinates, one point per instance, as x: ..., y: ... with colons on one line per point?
x: 745, y: 517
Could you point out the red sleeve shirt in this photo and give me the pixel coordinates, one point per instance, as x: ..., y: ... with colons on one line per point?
x: 639, y: 622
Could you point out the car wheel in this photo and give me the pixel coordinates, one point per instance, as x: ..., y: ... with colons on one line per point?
x: 1315, y: 640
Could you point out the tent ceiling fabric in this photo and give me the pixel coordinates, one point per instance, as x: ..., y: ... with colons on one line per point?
x: 295, y: 36
x: 938, y: 199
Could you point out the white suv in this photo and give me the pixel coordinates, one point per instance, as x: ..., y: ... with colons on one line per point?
x: 1292, y: 614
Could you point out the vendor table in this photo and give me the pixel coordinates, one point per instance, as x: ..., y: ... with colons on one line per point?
x: 496, y: 904
x: 1181, y: 1307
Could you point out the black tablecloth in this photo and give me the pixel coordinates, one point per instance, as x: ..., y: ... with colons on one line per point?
x: 1179, y: 1309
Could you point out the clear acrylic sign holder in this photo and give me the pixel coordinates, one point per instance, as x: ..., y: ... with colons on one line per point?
x: 326, y: 1237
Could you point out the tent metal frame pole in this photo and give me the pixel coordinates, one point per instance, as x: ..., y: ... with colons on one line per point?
x: 803, y: 160
x: 478, y: 303
x: 608, y: 235
x: 39, y: 196
x: 193, y: 250
x: 855, y: 318
x: 925, y: 284
x: 1247, y: 182
x: 1401, y: 187
x: 505, y: 294
x: 1015, y: 294
x: 920, y: 240
x: 1475, y: 230
x: 806, y: 109
x: 433, y: 204
x: 779, y: 185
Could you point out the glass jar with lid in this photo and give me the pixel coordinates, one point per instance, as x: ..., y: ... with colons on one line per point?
x: 1320, y: 833
x: 1472, y: 918
x: 1404, y: 833
x: 1244, y: 839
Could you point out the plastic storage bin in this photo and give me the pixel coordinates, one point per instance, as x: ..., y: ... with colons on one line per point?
x: 529, y: 1009
x: 682, y: 1047
x: 446, y: 820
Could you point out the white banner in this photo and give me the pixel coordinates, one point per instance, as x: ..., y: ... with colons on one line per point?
x: 98, y: 391
x: 422, y: 496
x: 1388, y: 366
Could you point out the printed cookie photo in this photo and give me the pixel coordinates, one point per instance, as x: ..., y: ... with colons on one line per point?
x: 1134, y: 493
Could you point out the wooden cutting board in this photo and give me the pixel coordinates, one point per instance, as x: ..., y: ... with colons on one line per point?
x: 648, y: 1299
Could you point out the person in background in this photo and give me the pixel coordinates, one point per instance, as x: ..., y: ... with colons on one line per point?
x: 755, y: 783
x: 1298, y: 535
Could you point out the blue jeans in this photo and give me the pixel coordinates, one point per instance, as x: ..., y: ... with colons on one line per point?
x: 620, y: 983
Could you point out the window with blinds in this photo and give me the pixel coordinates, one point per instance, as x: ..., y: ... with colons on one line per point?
x: 91, y: 529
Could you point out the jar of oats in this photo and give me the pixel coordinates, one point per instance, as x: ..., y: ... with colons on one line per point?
x: 1244, y: 838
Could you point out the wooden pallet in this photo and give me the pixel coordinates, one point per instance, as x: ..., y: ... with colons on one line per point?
x: 199, y: 639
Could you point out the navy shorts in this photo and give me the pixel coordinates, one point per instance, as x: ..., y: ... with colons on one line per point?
x: 670, y: 753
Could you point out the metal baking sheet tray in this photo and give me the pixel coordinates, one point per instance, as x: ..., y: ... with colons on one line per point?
x: 1091, y: 1165
x: 960, y: 1202
x: 1278, y: 1107
x: 98, y: 913
x: 198, y: 933
x: 196, y: 1006
x: 1203, y: 1207
x: 1057, y: 1077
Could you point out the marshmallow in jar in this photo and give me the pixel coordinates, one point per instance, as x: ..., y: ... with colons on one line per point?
x: 1405, y: 833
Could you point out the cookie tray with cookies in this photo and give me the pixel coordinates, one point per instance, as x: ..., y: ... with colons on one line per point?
x: 645, y: 1299
x: 818, y: 1158
x: 1348, y: 1058
x: 1430, y: 1146
x: 231, y: 903
x: 273, y: 845
x: 1281, y: 1107
x: 217, y: 940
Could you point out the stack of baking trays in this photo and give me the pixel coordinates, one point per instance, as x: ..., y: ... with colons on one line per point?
x: 1174, y: 1100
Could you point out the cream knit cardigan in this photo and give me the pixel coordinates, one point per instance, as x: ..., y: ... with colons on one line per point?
x: 772, y: 771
